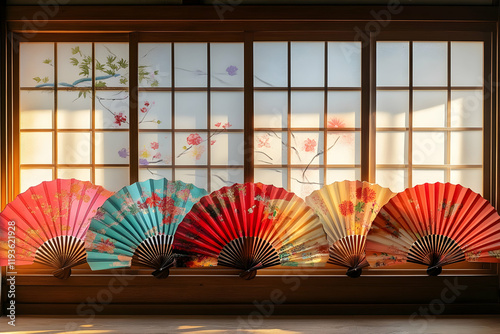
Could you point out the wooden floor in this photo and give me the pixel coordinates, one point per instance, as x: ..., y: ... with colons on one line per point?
x: 255, y: 324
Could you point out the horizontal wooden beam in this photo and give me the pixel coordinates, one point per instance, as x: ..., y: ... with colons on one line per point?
x: 229, y: 12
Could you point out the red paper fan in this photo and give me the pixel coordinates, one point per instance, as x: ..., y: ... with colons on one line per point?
x: 252, y: 226
x: 48, y: 223
x: 434, y: 225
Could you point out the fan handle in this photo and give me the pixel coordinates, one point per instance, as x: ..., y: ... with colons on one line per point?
x: 62, y: 273
x: 252, y: 272
x: 434, y: 270
x: 164, y: 271
x: 354, y: 272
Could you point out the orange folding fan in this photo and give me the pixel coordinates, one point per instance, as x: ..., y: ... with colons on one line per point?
x: 346, y: 210
x: 252, y: 226
x: 48, y: 223
x: 435, y: 225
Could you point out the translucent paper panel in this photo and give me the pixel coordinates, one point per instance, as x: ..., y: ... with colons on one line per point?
x: 36, y: 68
x: 308, y: 64
x: 111, y: 148
x: 429, y: 148
x: 111, y: 110
x: 111, y: 64
x: 470, y: 178
x: 270, y: 109
x: 344, y: 110
x: 155, y: 110
x: 155, y: 148
x: 190, y: 61
x: 270, y: 148
x: 227, y: 110
x: 467, y: 108
x: 226, y: 64
x: 304, y: 182
x: 190, y: 110
x: 277, y: 177
x: 154, y: 173
x: 344, y: 64
x: 225, y: 177
x: 341, y: 174
x: 392, y: 63
x: 74, y: 64
x: 392, y: 147
x: 190, y: 148
x: 33, y: 177
x: 430, y: 63
x: 394, y: 179
x: 36, y: 147
x: 36, y: 109
x: 112, y: 179
x: 467, y: 63
x: 198, y: 176
x: 421, y: 176
x: 227, y: 149
x: 83, y: 174
x: 343, y: 148
x: 74, y: 148
x: 429, y: 108
x: 270, y: 64
x: 155, y: 64
x: 305, y: 147
x: 392, y: 109
x: 307, y: 109
x: 466, y: 148
x: 73, y: 112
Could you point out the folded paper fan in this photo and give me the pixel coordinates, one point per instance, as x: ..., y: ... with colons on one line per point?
x: 435, y: 225
x: 136, y: 226
x: 47, y: 224
x: 252, y: 226
x: 346, y: 210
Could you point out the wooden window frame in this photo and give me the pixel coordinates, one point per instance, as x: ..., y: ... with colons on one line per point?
x: 248, y: 24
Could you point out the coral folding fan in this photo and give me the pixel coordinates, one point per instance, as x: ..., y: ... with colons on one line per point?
x: 252, y: 226
x: 48, y: 222
x: 435, y: 225
x: 136, y: 226
x: 346, y: 210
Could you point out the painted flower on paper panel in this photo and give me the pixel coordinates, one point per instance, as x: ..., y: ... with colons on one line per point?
x: 183, y: 194
x: 232, y: 70
x: 335, y: 123
x: 123, y: 153
x: 263, y: 141
x: 198, y: 151
x: 346, y: 208
x: 194, y: 139
x: 309, y: 145
x: 155, y: 145
x: 120, y: 118
x: 143, y: 162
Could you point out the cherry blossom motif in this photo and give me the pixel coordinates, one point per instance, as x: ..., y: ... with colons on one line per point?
x: 198, y: 151
x: 226, y: 125
x: 194, y: 139
x: 105, y: 246
x: 231, y: 70
x: 157, y: 156
x: 142, y: 206
x: 218, y: 124
x: 183, y: 194
x: 309, y: 145
x: 144, y: 110
x: 263, y: 141
x: 146, y: 103
x: 346, y: 208
x: 155, y: 145
x: 119, y: 119
x: 154, y: 200
x: 212, y: 142
x: 335, y: 123
x: 167, y: 205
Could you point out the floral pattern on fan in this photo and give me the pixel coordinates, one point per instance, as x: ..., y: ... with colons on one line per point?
x: 138, y: 220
